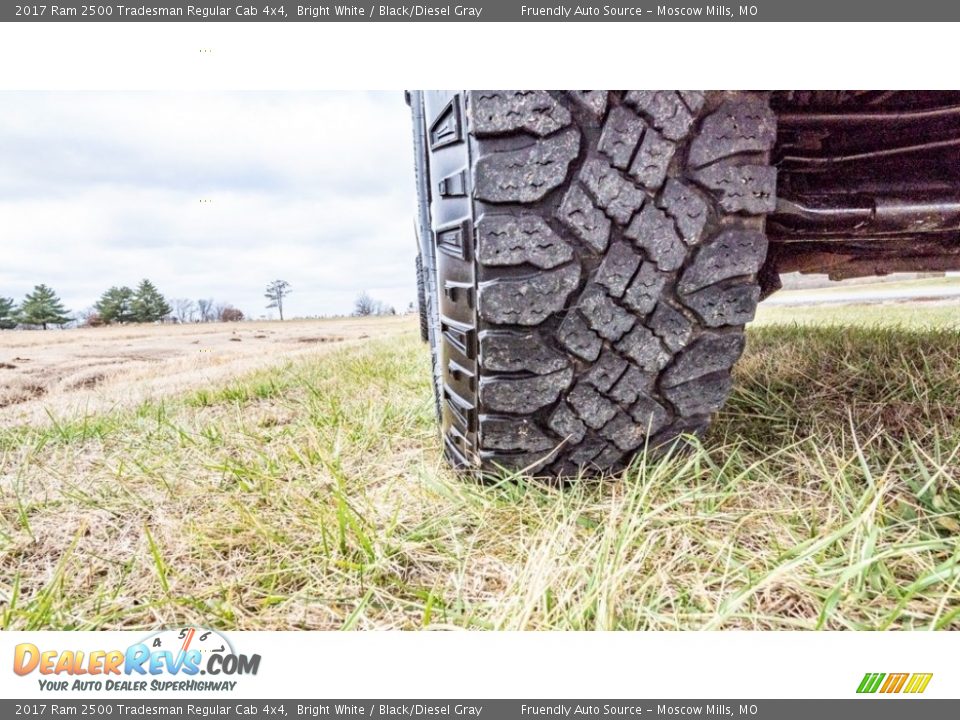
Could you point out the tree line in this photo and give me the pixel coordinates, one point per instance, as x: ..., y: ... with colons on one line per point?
x: 146, y: 304
x: 365, y: 305
x: 118, y: 305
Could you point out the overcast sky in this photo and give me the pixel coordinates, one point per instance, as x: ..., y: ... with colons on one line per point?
x: 101, y: 189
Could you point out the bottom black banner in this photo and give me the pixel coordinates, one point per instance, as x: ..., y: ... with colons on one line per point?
x: 876, y: 708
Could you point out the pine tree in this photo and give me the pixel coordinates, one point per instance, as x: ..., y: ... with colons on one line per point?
x: 148, y: 304
x: 43, y: 307
x: 8, y: 314
x: 116, y: 305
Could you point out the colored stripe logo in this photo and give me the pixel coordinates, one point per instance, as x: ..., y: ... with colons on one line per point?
x: 913, y: 683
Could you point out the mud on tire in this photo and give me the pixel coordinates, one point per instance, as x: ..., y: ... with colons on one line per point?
x: 597, y: 259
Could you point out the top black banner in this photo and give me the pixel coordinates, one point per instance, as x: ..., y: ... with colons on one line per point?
x: 481, y: 11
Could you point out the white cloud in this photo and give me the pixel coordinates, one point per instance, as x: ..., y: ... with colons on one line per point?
x: 98, y: 189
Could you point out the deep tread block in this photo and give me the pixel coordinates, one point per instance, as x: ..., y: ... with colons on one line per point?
x: 578, y: 338
x: 708, y: 354
x: 607, y: 319
x: 583, y: 454
x: 526, y: 175
x: 528, y: 301
x: 738, y: 126
x: 742, y: 188
x: 515, y: 462
x: 687, y: 208
x: 644, y: 292
x: 671, y: 326
x: 609, y: 458
x: 624, y: 432
x: 565, y: 423
x: 497, y: 112
x: 666, y: 110
x: 632, y: 384
x: 645, y: 349
x: 618, y: 267
x: 512, y: 240
x: 693, y: 99
x: 700, y: 396
x: 618, y: 197
x: 512, y: 433
x: 732, y: 253
x: 592, y: 407
x: 650, y: 415
x: 594, y: 101
x: 519, y: 352
x: 732, y: 302
x: 523, y: 395
x: 653, y: 231
x: 649, y: 167
x: 578, y: 213
x: 620, y: 136
x: 605, y: 372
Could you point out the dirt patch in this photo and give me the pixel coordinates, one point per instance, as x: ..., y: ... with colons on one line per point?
x: 21, y: 394
x: 325, y: 339
x: 94, y: 369
x: 918, y: 298
x: 88, y: 382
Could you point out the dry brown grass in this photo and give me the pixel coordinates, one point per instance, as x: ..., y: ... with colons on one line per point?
x: 94, y: 370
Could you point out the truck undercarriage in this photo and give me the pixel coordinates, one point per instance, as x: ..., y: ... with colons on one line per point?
x: 868, y: 183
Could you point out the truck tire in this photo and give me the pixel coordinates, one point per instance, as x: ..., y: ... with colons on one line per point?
x: 422, y: 302
x: 597, y: 258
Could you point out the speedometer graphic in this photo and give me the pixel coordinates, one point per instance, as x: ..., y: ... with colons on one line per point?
x: 207, y: 642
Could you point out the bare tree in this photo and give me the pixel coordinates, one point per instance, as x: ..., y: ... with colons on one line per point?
x: 365, y: 305
x: 205, y: 310
x: 184, y: 309
x: 218, y: 309
x: 276, y: 292
x: 89, y: 318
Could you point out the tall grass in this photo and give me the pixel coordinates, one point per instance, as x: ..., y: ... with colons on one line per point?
x: 826, y: 495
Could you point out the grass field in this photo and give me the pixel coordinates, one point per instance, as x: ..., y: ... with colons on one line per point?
x: 917, y: 287
x: 312, y: 495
